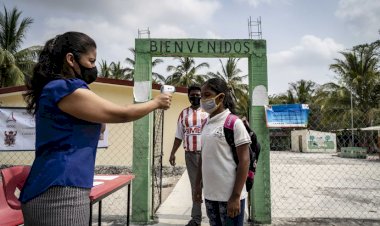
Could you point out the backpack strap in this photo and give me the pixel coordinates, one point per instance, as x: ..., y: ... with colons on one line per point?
x: 230, y: 121
x: 229, y: 134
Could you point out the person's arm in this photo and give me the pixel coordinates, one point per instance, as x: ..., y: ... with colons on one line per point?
x: 197, y: 196
x: 86, y: 105
x: 233, y: 205
x: 176, y: 144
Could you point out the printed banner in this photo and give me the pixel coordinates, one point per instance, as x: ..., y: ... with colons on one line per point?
x: 287, y: 115
x: 17, y: 131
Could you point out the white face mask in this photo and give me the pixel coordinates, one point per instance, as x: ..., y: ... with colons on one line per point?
x: 209, y: 105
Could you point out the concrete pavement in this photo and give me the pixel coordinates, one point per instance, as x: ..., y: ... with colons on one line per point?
x: 176, y: 209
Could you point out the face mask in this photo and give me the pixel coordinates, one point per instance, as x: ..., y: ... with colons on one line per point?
x: 209, y: 105
x: 88, y: 75
x: 194, y: 100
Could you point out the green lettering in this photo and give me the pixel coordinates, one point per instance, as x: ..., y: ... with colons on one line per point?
x: 211, y: 45
x: 246, y: 45
x: 237, y: 47
x: 227, y: 47
x: 190, y: 48
x: 200, y: 47
x: 153, y: 46
x: 179, y: 46
x: 167, y: 46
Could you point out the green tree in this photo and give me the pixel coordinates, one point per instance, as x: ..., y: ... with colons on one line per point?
x: 186, y: 72
x: 282, y: 98
x: 118, y: 72
x: 130, y: 70
x: 10, y: 74
x: 359, y: 73
x: 302, y: 91
x: 12, y: 34
x: 105, y: 70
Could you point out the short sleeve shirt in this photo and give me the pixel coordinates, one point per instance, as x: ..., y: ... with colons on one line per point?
x: 218, y: 165
x: 189, y: 128
x: 65, y: 145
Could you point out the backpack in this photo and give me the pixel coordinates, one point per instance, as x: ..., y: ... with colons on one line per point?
x: 254, y: 147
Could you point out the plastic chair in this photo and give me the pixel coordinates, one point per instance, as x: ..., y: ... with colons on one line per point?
x: 14, y: 178
x: 8, y: 216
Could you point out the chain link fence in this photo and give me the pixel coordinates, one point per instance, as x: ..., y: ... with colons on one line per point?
x: 157, y: 159
x: 329, y: 170
x: 310, y: 178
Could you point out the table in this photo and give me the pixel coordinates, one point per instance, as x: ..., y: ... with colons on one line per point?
x: 105, y: 185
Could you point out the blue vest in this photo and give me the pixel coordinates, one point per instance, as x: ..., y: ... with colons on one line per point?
x: 65, y: 145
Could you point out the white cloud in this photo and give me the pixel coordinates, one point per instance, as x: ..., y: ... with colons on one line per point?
x: 309, y: 60
x: 212, y: 35
x: 256, y: 3
x: 114, y: 24
x: 361, y: 16
x: 168, y: 31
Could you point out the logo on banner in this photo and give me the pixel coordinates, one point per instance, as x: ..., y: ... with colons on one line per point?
x: 10, y: 138
x: 11, y: 118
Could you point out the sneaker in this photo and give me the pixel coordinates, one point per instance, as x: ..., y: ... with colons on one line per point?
x: 193, y: 223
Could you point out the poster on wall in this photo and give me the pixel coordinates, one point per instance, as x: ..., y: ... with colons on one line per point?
x: 287, y: 115
x: 17, y: 131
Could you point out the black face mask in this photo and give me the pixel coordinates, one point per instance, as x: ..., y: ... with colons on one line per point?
x: 88, y: 75
x: 195, y: 101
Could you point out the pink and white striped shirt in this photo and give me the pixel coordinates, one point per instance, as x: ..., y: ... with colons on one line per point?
x: 189, y: 128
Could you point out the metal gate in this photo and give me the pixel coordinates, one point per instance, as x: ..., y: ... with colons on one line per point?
x: 157, y: 159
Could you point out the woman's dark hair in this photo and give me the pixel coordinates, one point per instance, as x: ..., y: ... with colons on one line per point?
x: 193, y: 87
x: 51, y: 61
x: 218, y: 85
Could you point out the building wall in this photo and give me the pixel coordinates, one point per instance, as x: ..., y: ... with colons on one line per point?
x: 313, y: 141
x: 120, y: 136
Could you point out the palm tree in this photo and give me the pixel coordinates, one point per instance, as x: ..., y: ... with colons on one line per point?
x: 331, y: 108
x: 10, y: 74
x: 231, y: 75
x: 105, y: 70
x: 359, y: 72
x: 302, y: 91
x: 186, y: 73
x: 282, y: 98
x: 157, y: 78
x: 12, y: 33
x: 118, y: 72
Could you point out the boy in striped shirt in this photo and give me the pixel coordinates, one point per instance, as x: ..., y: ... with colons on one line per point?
x: 189, y: 129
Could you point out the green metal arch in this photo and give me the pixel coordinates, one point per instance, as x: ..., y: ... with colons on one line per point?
x: 255, y: 51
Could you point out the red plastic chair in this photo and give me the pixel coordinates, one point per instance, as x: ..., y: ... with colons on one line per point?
x: 8, y: 216
x: 14, y: 177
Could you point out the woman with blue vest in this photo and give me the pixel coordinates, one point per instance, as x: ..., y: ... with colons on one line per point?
x: 68, y: 124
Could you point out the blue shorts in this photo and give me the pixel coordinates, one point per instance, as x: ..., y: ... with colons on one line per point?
x: 217, y: 214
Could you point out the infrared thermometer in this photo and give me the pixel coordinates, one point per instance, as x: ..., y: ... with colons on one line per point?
x: 167, y: 89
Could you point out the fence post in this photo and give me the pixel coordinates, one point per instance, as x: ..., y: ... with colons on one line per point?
x: 258, y: 91
x: 142, y: 147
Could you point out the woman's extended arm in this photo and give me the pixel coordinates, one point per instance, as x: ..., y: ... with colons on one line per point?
x: 86, y: 105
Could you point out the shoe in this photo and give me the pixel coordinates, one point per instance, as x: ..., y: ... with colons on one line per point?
x: 193, y: 223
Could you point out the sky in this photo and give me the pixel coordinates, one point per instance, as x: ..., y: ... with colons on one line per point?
x: 303, y: 36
